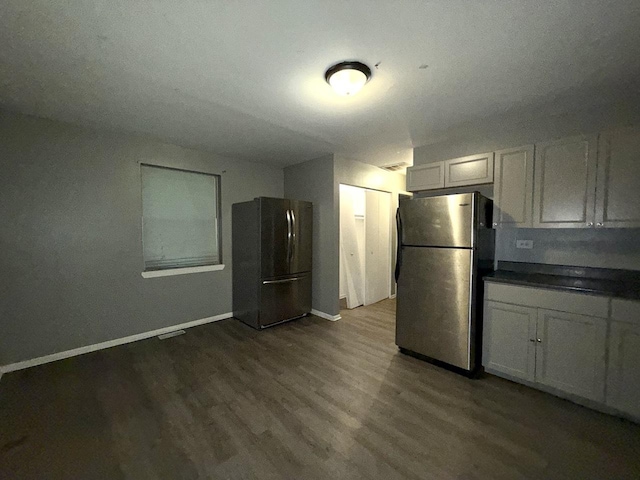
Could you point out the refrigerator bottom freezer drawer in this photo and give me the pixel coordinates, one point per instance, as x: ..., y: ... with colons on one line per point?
x: 433, y: 314
x: 284, y: 298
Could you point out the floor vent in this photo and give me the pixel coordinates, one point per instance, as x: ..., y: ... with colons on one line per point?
x: 164, y: 336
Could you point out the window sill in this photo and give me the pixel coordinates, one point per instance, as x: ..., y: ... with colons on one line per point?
x: 181, y: 271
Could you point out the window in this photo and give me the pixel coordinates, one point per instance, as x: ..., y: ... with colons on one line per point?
x: 180, y: 218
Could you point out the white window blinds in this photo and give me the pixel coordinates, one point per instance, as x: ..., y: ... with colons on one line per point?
x: 180, y: 221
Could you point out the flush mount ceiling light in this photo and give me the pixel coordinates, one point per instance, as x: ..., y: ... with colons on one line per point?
x: 347, y: 78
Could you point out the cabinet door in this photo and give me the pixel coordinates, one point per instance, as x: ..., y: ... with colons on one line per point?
x: 571, y: 353
x: 617, y: 193
x: 513, y: 188
x: 509, y: 340
x: 425, y: 177
x: 623, y: 376
x: 471, y: 170
x: 565, y: 175
x: 377, y: 246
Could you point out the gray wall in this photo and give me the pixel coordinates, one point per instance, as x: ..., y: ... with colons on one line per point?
x: 313, y: 181
x: 71, y: 237
x: 597, y: 248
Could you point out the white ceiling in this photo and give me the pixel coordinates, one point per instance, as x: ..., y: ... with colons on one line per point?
x: 245, y: 78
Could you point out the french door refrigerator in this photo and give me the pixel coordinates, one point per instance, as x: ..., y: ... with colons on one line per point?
x: 445, y: 243
x: 271, y: 249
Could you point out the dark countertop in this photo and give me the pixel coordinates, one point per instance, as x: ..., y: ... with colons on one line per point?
x: 597, y: 281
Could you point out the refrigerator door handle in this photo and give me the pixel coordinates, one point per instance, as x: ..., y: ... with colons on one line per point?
x: 286, y: 280
x: 288, y: 215
x: 399, y: 242
x: 293, y: 234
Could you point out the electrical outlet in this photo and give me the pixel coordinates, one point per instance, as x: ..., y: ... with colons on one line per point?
x: 528, y: 244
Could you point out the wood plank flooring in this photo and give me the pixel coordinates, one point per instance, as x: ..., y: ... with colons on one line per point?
x: 310, y: 399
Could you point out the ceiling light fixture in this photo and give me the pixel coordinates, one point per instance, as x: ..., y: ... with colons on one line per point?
x: 347, y: 78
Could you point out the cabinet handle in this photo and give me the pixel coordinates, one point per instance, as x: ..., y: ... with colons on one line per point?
x: 599, y: 224
x: 495, y: 224
x: 590, y: 224
x: 539, y: 340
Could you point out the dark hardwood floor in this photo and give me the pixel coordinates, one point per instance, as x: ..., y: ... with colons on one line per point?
x: 310, y: 399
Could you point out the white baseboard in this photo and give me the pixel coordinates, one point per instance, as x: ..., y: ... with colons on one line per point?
x: 393, y: 295
x: 333, y: 318
x: 111, y: 343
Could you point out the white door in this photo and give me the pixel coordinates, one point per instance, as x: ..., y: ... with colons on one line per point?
x: 571, y: 353
x: 352, y: 211
x: 623, y: 377
x: 509, y: 344
x: 377, y: 264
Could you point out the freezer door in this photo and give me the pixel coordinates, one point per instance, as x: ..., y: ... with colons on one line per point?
x: 446, y: 221
x: 284, y: 298
x: 275, y: 237
x: 433, y: 314
x: 302, y: 227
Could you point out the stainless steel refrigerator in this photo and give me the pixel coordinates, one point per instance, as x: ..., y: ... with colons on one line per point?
x: 445, y: 243
x: 271, y: 260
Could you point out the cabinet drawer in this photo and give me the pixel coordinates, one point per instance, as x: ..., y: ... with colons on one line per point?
x: 625, y: 310
x: 592, y: 305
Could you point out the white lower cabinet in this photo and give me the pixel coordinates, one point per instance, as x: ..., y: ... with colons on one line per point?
x: 585, y: 346
x: 565, y: 351
x: 509, y: 340
x: 623, y: 376
x: 571, y: 353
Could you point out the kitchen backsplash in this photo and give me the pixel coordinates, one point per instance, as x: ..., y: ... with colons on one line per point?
x: 605, y: 248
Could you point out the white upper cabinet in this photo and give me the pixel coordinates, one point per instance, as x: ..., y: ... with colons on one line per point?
x: 564, y: 186
x: 513, y: 188
x: 618, y: 185
x: 585, y: 181
x: 457, y: 172
x: 471, y: 170
x: 425, y: 177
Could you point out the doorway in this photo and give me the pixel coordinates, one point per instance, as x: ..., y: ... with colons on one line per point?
x: 365, y: 245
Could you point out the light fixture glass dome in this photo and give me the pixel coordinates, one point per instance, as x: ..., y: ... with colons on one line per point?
x: 348, y: 78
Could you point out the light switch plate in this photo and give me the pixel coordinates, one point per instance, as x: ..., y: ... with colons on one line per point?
x: 528, y: 244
